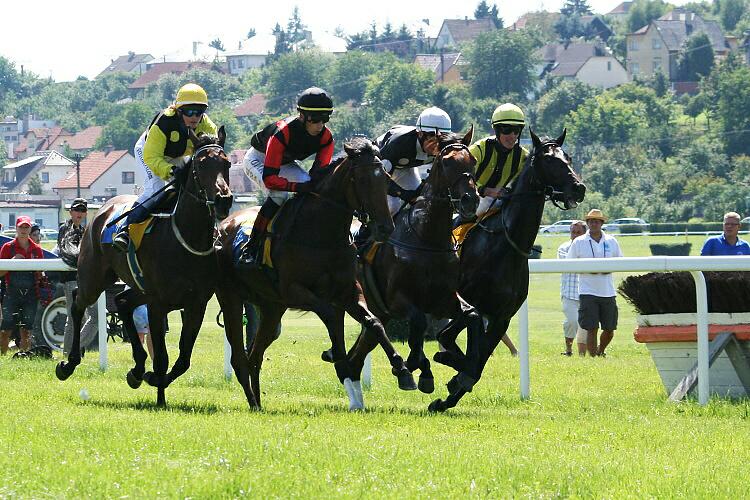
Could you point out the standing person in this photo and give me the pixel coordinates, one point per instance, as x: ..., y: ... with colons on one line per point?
x: 36, y: 234
x: 21, y: 287
x: 569, y: 294
x: 273, y: 161
x: 69, y: 238
x: 727, y: 243
x: 161, y: 148
x: 598, y: 305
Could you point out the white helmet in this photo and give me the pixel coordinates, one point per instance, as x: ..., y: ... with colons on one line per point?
x: 434, y: 119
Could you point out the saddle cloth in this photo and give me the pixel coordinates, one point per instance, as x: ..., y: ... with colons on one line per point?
x: 459, y: 233
x: 136, y: 231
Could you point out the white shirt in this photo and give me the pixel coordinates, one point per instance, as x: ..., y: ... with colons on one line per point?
x: 568, y: 281
x: 585, y: 247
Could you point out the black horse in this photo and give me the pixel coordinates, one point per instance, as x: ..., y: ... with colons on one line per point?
x: 315, y: 260
x: 178, y: 261
x: 416, y: 271
x: 494, y: 261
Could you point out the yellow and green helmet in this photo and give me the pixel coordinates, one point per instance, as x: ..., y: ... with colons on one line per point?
x: 191, y: 93
x: 508, y: 114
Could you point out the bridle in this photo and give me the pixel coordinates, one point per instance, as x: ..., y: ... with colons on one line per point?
x: 201, y: 197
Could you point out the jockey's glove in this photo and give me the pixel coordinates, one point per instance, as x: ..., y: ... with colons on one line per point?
x: 409, y: 195
x: 180, y: 174
x: 304, y: 187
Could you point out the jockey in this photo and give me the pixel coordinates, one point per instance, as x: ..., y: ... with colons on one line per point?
x: 273, y: 160
x: 499, y: 157
x: 405, y: 148
x: 161, y: 148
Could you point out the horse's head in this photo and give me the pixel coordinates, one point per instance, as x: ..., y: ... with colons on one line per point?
x: 553, y: 169
x: 452, y: 173
x: 368, y: 188
x: 208, y: 178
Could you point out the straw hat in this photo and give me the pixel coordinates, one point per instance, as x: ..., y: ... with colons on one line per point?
x: 595, y: 213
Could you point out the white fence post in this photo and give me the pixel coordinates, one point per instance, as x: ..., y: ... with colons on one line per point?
x: 101, y: 309
x: 523, y: 349
x: 701, y: 300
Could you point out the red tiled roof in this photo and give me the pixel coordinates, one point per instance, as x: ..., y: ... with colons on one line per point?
x: 463, y: 30
x: 158, y: 69
x: 85, y: 139
x: 256, y: 105
x: 92, y: 167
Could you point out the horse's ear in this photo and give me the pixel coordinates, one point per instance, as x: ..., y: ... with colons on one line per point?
x: 535, y: 139
x: 192, y: 136
x: 467, y: 138
x: 559, y: 141
x: 222, y: 134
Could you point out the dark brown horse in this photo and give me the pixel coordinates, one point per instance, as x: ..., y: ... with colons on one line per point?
x: 178, y: 262
x: 315, y: 262
x: 416, y: 271
x: 494, y: 261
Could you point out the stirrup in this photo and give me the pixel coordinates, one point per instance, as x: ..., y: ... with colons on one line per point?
x: 121, y: 241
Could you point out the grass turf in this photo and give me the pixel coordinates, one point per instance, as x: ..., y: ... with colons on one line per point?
x: 593, y: 427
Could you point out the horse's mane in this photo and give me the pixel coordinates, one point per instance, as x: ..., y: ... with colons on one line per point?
x: 445, y: 138
x: 205, y: 139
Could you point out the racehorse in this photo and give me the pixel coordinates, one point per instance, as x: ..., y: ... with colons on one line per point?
x: 416, y: 271
x: 315, y: 265
x: 494, y: 261
x: 178, y: 261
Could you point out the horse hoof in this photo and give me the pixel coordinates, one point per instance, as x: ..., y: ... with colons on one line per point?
x: 426, y: 385
x: 150, y: 379
x: 405, y: 380
x: 133, y: 381
x: 63, y: 370
x: 327, y: 356
x: 437, y: 406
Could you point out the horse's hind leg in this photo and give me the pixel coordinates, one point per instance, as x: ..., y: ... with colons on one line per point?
x: 333, y: 319
x: 417, y: 358
x: 65, y: 369
x: 191, y: 325
x: 270, y: 316
x: 231, y: 307
x: 126, y: 302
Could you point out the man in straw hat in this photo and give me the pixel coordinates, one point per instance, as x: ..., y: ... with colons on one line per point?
x: 598, y: 306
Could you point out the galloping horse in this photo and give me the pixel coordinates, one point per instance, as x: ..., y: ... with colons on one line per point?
x: 315, y: 260
x: 494, y: 261
x: 177, y: 259
x: 416, y: 271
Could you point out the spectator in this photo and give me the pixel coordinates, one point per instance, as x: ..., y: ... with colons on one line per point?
x: 36, y: 234
x: 598, y: 305
x: 727, y: 243
x: 20, y: 286
x: 68, y: 243
x: 569, y: 295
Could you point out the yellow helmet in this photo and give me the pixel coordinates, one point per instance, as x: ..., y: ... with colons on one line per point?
x: 508, y: 114
x: 191, y: 93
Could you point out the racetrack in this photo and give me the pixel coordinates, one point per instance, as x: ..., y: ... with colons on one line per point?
x: 593, y: 427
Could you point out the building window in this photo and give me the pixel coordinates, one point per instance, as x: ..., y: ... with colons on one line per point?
x: 635, y: 68
x: 655, y: 43
x: 45, y: 177
x: 633, y: 44
x: 609, y: 65
x: 240, y: 64
x: 657, y: 64
x: 110, y: 192
x: 128, y: 177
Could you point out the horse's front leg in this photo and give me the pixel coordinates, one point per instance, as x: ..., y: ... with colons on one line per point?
x: 417, y: 358
x: 156, y: 325
x: 191, y: 325
x: 231, y: 306
x: 374, y: 334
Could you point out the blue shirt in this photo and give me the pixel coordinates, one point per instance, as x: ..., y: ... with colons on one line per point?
x: 718, y: 245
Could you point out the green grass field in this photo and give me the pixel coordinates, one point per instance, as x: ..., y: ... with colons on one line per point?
x: 593, y: 427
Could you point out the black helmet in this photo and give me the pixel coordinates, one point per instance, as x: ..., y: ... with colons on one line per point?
x: 315, y: 103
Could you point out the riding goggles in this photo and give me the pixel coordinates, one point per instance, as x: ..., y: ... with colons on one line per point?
x: 509, y: 129
x: 317, y: 117
x: 190, y: 112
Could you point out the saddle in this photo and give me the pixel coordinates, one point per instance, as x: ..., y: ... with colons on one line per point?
x: 460, y: 233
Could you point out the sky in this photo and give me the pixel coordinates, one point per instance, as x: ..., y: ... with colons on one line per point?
x: 63, y: 40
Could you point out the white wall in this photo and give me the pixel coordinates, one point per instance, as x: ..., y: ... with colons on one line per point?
x: 594, y: 72
x: 48, y: 216
x: 111, y: 178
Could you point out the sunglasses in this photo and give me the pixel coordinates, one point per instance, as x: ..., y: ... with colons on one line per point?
x: 318, y: 118
x: 509, y: 129
x: 82, y: 210
x: 192, y: 112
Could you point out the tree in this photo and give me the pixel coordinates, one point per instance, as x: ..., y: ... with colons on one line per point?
x: 251, y: 33
x: 403, y: 33
x: 216, y: 44
x: 502, y: 62
x: 484, y: 11
x: 730, y: 13
x: 733, y: 97
x: 554, y: 107
x: 35, y: 185
x: 395, y: 84
x: 642, y: 12
x: 353, y: 121
x: 349, y: 74
x: 295, y: 30
x: 697, y: 59
x: 283, y: 45
x: 126, y: 123
x: 3, y: 154
x: 292, y: 73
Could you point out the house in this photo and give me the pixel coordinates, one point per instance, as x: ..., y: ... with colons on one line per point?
x: 103, y: 174
x: 129, y: 63
x: 657, y: 46
x: 250, y: 53
x: 81, y: 142
x: 9, y: 135
x: 324, y: 42
x: 621, y: 12
x: 589, y: 62
x: 157, y: 70
x: 454, y: 32
x: 595, y: 26
x: 49, y: 167
x: 45, y: 212
x: 446, y: 67
x: 37, y: 139
x: 542, y: 20
x: 255, y: 105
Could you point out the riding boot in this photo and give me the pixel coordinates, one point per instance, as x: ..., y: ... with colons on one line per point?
x: 4, y: 341
x: 138, y: 213
x: 25, y: 340
x: 252, y: 253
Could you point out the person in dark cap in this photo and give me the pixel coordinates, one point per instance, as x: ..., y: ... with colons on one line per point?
x: 68, y: 243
